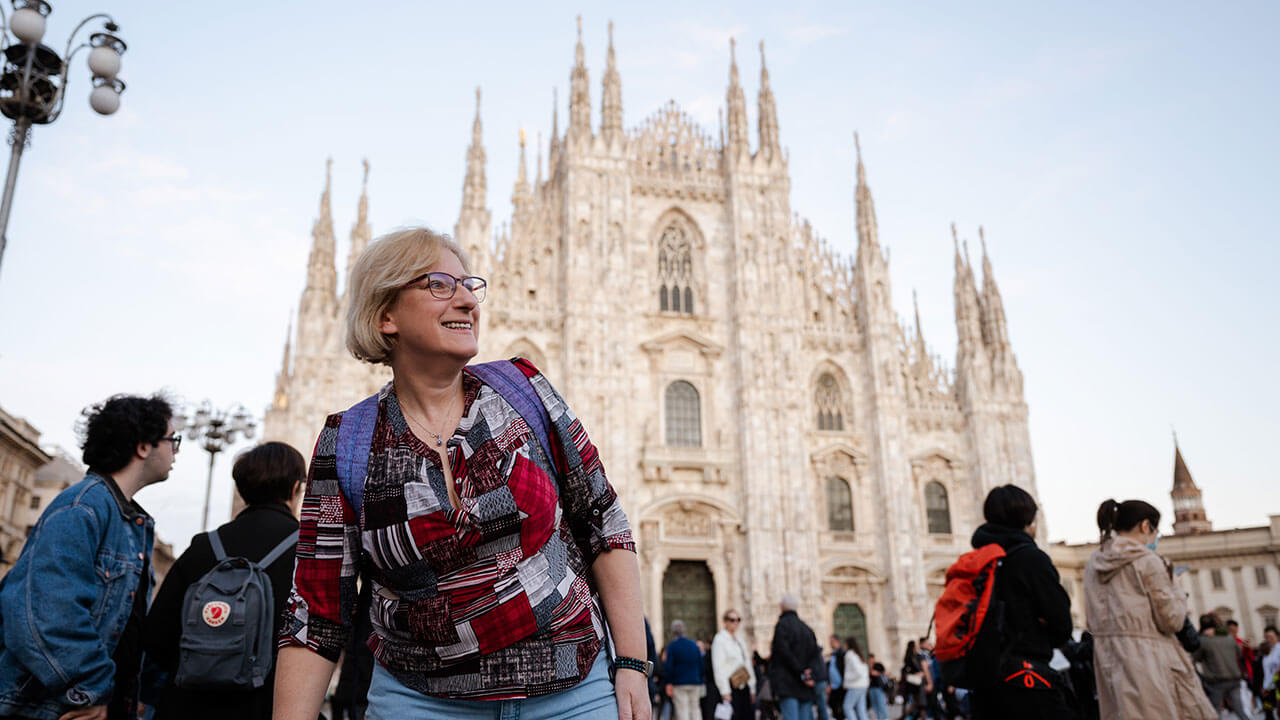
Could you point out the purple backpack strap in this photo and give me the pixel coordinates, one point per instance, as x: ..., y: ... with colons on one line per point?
x: 515, y: 387
x: 355, y: 440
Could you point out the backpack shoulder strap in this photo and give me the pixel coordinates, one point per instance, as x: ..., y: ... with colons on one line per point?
x: 219, y: 554
x: 279, y: 550
x: 355, y: 439
x: 517, y: 389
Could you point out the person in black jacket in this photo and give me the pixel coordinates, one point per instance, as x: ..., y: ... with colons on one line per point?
x: 270, y: 478
x: 1037, y: 614
x: 794, y: 655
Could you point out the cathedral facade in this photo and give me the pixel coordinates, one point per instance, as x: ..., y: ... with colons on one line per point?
x: 768, y: 420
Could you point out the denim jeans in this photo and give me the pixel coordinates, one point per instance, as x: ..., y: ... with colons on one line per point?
x: 795, y: 708
x: 878, y: 703
x: 820, y: 698
x: 591, y: 699
x: 855, y: 703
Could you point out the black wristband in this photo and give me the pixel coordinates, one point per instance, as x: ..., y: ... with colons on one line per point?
x: 643, y: 667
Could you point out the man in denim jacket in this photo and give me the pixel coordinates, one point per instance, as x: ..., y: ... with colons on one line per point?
x: 71, y: 607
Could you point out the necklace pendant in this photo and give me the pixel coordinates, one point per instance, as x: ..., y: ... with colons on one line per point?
x: 439, y: 442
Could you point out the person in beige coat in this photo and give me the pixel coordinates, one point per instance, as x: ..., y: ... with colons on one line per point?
x: 1133, y: 609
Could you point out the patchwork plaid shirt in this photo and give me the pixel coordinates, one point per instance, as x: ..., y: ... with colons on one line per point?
x: 490, y: 601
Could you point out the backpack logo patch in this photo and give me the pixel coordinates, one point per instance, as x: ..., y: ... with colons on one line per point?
x: 215, y: 613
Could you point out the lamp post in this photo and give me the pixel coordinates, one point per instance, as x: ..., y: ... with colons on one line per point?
x: 33, y: 80
x: 215, y: 430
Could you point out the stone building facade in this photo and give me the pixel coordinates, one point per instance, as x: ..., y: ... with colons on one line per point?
x: 769, y: 421
x: 20, y: 458
x: 1234, y: 573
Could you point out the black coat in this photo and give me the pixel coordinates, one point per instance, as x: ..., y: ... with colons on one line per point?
x: 1037, y: 608
x: 252, y: 534
x: 794, y: 650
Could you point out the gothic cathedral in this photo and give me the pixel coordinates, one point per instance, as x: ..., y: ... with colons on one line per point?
x: 767, y: 419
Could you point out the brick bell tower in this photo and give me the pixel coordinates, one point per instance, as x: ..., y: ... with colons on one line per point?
x: 1188, y: 507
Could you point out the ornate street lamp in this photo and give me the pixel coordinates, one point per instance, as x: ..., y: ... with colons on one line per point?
x: 33, y: 79
x: 215, y: 430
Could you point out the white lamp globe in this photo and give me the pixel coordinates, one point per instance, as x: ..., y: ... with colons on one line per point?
x: 27, y: 25
x: 104, y: 100
x: 104, y: 62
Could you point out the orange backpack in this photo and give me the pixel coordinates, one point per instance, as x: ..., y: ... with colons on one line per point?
x: 970, y: 619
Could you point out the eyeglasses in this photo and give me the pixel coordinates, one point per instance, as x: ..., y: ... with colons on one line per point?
x: 442, y: 285
x: 733, y: 619
x: 174, y: 439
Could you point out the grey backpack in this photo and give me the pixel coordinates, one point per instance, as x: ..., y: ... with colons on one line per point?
x: 227, y: 639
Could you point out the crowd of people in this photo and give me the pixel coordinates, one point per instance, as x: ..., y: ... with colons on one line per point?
x: 1140, y: 657
x: 456, y: 544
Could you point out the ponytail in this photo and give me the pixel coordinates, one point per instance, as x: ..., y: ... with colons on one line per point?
x: 1107, y: 512
x: 1125, y: 516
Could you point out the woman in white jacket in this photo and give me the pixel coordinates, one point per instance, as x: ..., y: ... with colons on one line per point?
x: 731, y: 666
x: 856, y: 681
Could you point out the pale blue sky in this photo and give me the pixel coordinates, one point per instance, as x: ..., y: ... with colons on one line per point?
x: 1121, y: 157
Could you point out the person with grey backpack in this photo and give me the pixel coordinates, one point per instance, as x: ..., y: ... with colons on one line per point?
x: 213, y: 624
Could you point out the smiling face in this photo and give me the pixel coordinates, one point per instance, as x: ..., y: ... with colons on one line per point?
x: 428, y: 327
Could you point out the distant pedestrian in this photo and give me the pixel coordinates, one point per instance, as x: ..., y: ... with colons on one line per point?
x: 793, y: 655
x: 1271, y: 672
x: 821, y: 686
x: 270, y: 478
x: 835, y: 676
x: 915, y: 683
x: 856, y: 680
x: 682, y: 672
x: 75, y: 603
x: 731, y: 665
x: 880, y: 689
x: 1036, y: 614
x: 1219, y: 659
x: 1134, y: 609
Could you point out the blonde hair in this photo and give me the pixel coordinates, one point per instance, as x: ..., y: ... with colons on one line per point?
x: 376, y: 278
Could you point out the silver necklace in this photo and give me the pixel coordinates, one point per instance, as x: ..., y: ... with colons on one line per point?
x: 439, y: 436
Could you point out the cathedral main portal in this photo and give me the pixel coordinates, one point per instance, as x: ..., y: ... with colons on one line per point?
x: 689, y: 594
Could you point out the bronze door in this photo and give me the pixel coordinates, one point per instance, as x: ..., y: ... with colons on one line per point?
x: 689, y: 594
x: 849, y: 620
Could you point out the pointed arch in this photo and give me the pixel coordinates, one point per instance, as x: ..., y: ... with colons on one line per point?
x: 678, y: 244
x: 832, y: 408
x: 529, y: 350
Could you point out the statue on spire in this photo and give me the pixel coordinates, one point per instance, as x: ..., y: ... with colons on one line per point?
x: 737, y: 102
x: 611, y: 99
x: 768, y: 115
x: 579, y: 93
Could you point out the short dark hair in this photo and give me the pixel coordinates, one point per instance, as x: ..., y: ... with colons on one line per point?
x: 1010, y: 506
x: 1232, y: 623
x: 269, y: 472
x: 1125, y: 516
x: 1208, y: 620
x: 1271, y: 628
x: 112, y: 430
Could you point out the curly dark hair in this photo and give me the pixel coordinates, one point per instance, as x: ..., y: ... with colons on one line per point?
x: 111, y: 430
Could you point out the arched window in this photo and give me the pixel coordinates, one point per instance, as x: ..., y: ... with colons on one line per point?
x: 827, y: 398
x: 938, y: 508
x: 675, y: 270
x: 839, y: 505
x: 684, y: 416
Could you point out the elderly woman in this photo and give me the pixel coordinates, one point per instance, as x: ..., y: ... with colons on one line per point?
x: 484, y: 538
x: 1134, y: 610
